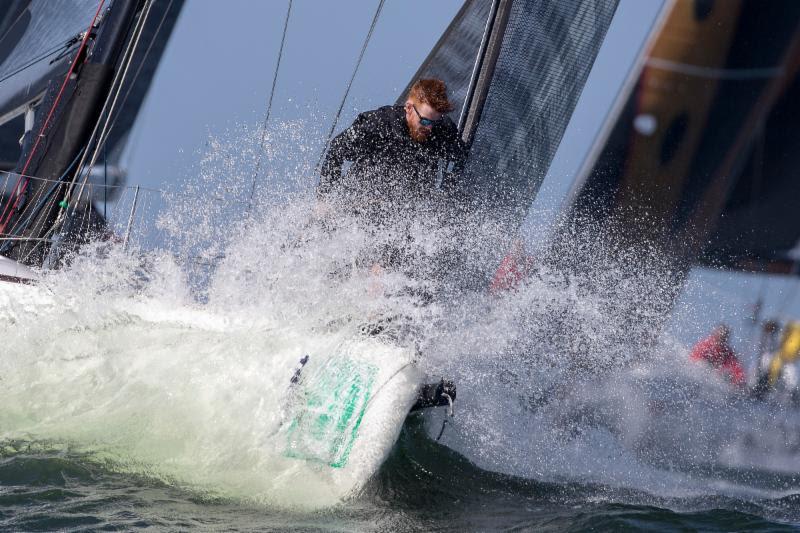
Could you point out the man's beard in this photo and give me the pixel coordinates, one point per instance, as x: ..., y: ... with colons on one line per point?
x: 419, y: 134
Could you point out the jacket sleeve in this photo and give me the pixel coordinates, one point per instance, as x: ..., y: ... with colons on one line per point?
x: 699, y: 351
x: 344, y: 147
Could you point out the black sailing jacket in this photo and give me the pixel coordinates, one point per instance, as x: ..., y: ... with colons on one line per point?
x: 388, y: 166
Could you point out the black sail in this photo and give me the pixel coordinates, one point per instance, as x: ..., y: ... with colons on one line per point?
x: 533, y: 58
x: 701, y: 161
x: 34, y: 34
x: 547, y: 51
x: 455, y: 55
x: 515, y: 70
x: 36, y: 37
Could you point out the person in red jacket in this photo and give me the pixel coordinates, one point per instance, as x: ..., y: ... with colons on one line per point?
x: 717, y: 352
x: 515, y: 267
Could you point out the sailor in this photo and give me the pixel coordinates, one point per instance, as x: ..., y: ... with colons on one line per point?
x: 779, y: 372
x: 767, y: 346
x: 515, y: 267
x: 717, y: 352
x: 402, y: 157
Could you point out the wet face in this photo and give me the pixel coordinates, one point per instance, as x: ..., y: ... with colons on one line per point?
x: 421, y: 118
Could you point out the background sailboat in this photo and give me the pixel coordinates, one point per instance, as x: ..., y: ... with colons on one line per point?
x: 74, y: 75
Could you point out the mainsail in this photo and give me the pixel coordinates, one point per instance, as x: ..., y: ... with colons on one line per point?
x: 34, y: 37
x: 530, y: 61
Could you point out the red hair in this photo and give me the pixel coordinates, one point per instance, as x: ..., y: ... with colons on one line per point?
x: 432, y: 92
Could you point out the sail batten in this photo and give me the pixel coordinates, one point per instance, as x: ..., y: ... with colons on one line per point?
x: 11, y: 114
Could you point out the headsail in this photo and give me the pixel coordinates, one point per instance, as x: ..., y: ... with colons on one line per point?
x: 547, y: 51
x: 456, y: 55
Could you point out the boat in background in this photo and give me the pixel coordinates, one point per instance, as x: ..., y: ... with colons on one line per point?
x: 74, y: 75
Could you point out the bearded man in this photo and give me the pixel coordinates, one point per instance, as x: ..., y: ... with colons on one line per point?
x: 401, y: 156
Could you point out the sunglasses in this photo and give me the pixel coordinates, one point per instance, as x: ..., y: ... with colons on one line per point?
x: 427, y: 122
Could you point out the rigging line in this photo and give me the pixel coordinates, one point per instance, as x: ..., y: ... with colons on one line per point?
x: 42, y: 57
x: 350, y: 83
x: 269, y: 109
x: 23, y: 239
x: 5, y: 184
x: 141, y: 211
x: 46, y: 236
x: 476, y: 67
x: 116, y: 87
x: 86, y: 212
x: 105, y: 180
x: 390, y: 378
x: 105, y: 112
x: 119, y: 81
x: 9, y: 208
x: 45, y: 180
x: 107, y: 123
x: 116, y: 208
x: 111, y: 221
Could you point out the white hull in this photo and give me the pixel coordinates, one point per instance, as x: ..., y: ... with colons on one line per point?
x: 97, y: 373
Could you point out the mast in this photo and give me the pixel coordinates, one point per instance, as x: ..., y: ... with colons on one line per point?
x: 485, y: 63
x: 532, y: 72
x: 455, y: 58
